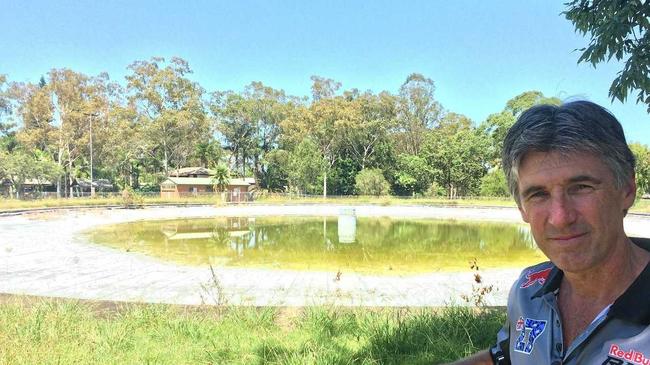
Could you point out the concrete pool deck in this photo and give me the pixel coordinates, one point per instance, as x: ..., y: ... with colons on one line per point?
x: 43, y: 254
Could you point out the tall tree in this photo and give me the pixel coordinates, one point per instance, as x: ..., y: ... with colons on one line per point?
x: 617, y: 29
x: 457, y: 154
x: 7, y: 132
x: 417, y: 112
x: 234, y: 123
x: 642, y: 155
x: 169, y: 108
x: 367, y: 125
x: 497, y: 125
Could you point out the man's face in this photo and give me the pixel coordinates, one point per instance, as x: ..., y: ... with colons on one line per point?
x: 573, y: 207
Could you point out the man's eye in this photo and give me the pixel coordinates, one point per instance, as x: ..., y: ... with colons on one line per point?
x: 537, y: 195
x: 581, y: 188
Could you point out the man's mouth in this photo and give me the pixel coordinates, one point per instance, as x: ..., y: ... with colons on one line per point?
x: 567, y: 237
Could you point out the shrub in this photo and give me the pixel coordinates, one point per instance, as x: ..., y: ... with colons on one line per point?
x: 494, y: 184
x: 371, y: 182
x: 435, y: 190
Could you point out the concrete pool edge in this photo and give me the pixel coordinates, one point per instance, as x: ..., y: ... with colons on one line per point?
x: 35, y: 261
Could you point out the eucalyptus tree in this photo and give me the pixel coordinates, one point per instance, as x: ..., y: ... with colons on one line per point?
x: 170, y: 109
x: 235, y: 125
x: 497, y: 124
x: 7, y: 133
x: 457, y: 153
x: 366, y: 126
x: 56, y: 119
x: 417, y: 112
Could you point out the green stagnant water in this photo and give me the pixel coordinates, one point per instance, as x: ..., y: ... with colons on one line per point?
x: 364, y: 245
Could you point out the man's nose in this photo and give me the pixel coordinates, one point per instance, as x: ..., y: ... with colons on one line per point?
x: 562, y: 212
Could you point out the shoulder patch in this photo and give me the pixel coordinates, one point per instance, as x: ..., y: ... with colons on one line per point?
x: 536, y: 277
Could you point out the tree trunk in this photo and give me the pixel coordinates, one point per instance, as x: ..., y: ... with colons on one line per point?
x: 325, y: 185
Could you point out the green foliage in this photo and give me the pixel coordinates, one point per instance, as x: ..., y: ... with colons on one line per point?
x: 642, y: 155
x: 497, y: 124
x: 341, y: 177
x: 457, y: 156
x: 412, y: 175
x: 221, y: 177
x: 435, y: 190
x: 276, y: 175
x: 617, y: 29
x: 20, y: 166
x: 371, y: 182
x: 494, y: 184
x: 306, y: 168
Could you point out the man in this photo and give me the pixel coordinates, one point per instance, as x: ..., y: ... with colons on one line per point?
x: 572, y: 175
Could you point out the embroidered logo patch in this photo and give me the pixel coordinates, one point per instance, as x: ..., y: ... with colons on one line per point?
x: 618, y: 356
x: 536, y: 277
x: 520, y: 324
x: 530, y: 332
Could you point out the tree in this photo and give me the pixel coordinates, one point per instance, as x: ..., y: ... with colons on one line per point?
x: 371, y: 182
x: 236, y: 127
x: 277, y: 169
x: 221, y: 177
x: 79, y: 101
x: 367, y: 124
x: 170, y: 109
x: 5, y: 105
x: 306, y: 167
x: 494, y: 184
x: 417, y: 112
x: 20, y: 166
x: 642, y: 156
x: 456, y: 153
x: 323, y: 88
x: 412, y: 174
x: 617, y: 29
x: 497, y: 125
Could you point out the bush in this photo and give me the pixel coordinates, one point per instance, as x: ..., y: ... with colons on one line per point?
x: 131, y: 199
x: 494, y: 184
x: 371, y: 182
x: 435, y: 191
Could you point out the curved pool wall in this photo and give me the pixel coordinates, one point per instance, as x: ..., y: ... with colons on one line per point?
x: 43, y: 254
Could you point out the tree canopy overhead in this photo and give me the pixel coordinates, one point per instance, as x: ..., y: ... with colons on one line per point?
x: 617, y: 29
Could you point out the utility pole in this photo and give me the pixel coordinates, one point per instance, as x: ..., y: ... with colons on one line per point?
x: 92, y: 186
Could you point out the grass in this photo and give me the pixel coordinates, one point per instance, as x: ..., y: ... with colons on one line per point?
x: 641, y: 206
x: 47, y: 331
x: 15, y: 204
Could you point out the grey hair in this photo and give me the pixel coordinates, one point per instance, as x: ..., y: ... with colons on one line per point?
x: 578, y: 126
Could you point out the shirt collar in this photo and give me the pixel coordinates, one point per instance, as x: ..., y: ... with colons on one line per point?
x: 633, y: 305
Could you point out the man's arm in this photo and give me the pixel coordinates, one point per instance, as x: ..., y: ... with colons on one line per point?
x: 479, y: 358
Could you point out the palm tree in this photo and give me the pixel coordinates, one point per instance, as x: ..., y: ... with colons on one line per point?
x: 221, y: 177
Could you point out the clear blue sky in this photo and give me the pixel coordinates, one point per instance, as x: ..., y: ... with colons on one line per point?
x: 479, y: 53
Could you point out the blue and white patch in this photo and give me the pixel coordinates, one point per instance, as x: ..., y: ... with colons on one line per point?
x: 531, y: 330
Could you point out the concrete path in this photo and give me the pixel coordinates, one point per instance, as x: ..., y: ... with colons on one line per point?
x: 43, y: 254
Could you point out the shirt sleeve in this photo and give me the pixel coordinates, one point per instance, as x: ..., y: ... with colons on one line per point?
x: 500, y: 352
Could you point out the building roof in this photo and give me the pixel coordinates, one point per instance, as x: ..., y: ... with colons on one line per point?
x: 187, y: 171
x: 208, y: 181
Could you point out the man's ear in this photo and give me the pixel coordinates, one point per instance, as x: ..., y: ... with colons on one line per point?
x: 629, y: 194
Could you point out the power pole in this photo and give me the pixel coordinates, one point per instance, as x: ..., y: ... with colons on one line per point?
x: 92, y: 186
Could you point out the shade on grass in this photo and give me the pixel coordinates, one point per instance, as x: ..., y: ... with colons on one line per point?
x: 70, y: 332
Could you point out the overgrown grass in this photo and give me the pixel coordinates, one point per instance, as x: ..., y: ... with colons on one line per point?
x: 71, y: 332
